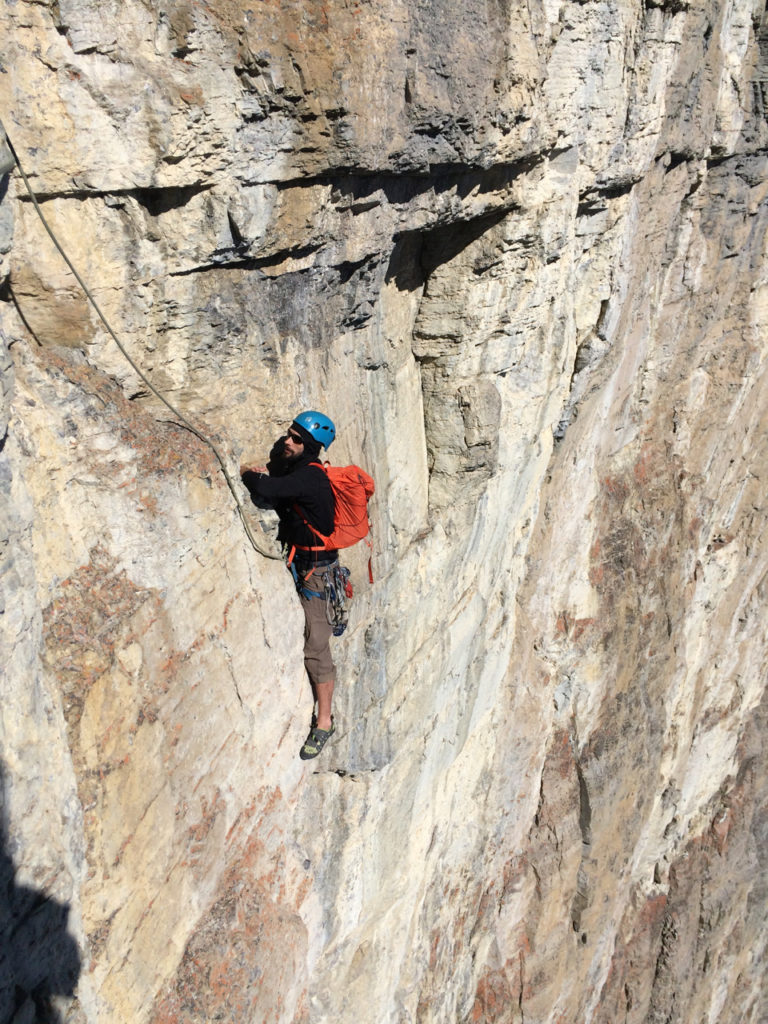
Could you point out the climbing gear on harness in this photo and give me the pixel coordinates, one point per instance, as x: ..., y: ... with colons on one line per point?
x: 183, y: 420
x: 315, y: 742
x: 318, y: 426
x: 337, y: 590
x: 352, y: 488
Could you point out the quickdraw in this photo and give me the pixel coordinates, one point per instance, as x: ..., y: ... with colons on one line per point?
x: 338, y: 588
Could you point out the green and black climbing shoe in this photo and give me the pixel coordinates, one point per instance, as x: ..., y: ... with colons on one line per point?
x: 315, y: 742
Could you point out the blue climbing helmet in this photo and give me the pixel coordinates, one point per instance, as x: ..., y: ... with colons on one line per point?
x: 318, y: 426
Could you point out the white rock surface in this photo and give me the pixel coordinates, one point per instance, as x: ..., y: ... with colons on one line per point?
x: 519, y: 255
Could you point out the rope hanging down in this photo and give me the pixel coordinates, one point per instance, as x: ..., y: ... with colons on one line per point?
x: 230, y: 483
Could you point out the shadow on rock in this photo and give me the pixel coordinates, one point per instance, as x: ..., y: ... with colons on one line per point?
x: 39, y: 959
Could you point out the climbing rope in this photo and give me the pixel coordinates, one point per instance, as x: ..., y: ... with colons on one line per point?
x: 184, y: 421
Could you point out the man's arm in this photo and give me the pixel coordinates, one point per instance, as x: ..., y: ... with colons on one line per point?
x: 251, y: 475
x: 271, y: 488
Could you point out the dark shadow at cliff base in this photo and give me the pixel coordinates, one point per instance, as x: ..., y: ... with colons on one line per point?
x: 39, y: 959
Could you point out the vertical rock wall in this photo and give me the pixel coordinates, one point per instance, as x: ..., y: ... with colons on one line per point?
x: 518, y: 252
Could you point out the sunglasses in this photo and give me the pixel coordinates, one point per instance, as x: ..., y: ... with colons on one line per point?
x: 295, y: 438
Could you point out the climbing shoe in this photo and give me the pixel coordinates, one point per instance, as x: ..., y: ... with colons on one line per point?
x: 315, y: 742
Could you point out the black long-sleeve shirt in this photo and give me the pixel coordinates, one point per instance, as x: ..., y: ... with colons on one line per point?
x: 297, y: 491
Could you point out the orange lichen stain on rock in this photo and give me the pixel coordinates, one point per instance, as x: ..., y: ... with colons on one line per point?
x: 148, y: 503
x: 84, y: 625
x: 160, y: 450
x: 95, y: 614
x: 169, y: 1010
x: 123, y: 847
x: 242, y: 819
x: 636, y: 946
x: 582, y: 627
x: 494, y: 998
x: 245, y: 953
x: 434, y: 946
x: 172, y: 665
x: 615, y: 488
x: 175, y: 735
x: 254, y: 843
x: 560, y: 755
x: 197, y: 835
x: 642, y: 468
x: 447, y: 946
x: 501, y: 988
x: 194, y: 97
x: 572, y: 627
x: 597, y: 575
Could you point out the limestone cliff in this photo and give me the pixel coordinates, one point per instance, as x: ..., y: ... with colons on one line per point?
x: 518, y: 252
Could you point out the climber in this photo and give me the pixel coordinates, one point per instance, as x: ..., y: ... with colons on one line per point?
x: 301, y: 494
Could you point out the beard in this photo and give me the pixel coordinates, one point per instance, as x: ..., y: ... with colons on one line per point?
x: 289, y: 456
x: 281, y: 462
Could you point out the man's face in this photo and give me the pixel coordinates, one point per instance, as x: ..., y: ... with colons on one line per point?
x: 293, y: 446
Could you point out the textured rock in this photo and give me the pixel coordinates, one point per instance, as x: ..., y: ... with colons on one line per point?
x: 519, y: 254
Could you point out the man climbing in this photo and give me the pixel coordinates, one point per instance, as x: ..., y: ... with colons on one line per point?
x: 301, y: 494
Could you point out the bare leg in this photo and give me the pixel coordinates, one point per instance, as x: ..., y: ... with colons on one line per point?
x: 324, y: 697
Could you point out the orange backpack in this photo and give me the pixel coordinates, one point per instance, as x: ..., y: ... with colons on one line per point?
x: 352, y: 488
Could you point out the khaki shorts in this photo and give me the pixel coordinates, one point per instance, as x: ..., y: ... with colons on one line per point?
x: 317, y: 634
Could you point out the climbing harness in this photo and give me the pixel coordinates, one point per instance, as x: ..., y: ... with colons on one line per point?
x: 184, y: 421
x: 301, y: 583
x: 337, y: 590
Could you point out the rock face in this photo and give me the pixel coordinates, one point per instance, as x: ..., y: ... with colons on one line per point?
x: 518, y: 252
